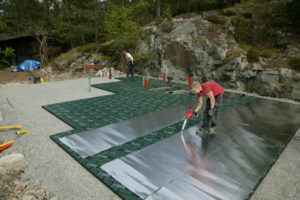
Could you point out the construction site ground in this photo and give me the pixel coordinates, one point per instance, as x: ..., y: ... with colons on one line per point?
x: 46, y: 163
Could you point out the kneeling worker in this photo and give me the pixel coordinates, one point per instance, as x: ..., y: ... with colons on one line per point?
x: 214, y: 92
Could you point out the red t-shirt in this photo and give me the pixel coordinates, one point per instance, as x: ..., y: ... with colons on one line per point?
x: 208, y: 86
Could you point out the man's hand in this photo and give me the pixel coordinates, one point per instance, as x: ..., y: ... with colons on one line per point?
x: 191, y: 113
x: 195, y: 114
x: 211, y: 112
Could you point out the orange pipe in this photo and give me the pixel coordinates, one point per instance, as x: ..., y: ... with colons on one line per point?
x: 190, y: 80
x: 6, y: 145
x: 146, y: 83
x: 164, y: 77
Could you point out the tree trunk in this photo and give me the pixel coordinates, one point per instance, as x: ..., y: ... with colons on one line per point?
x: 123, y: 3
x: 177, y: 7
x: 69, y: 22
x: 188, y: 6
x: 96, y: 23
x: 157, y: 8
x: 82, y: 38
x: 43, y: 49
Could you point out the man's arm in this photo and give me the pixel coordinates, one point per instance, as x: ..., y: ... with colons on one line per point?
x: 199, y: 104
x: 212, y: 99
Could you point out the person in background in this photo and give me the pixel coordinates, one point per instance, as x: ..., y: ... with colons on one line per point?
x: 130, y: 61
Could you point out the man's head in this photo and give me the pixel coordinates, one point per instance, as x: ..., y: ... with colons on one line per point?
x: 124, y: 52
x: 196, y: 87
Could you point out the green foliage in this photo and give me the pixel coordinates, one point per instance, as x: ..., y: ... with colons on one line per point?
x: 7, y: 56
x: 294, y: 63
x: 215, y: 19
x: 296, y: 79
x: 255, y: 87
x: 107, y: 49
x: 143, y: 73
x: 292, y: 10
x: 87, y: 49
x: 166, y: 26
x: 142, y: 12
x: 243, y: 28
x: 253, y: 53
x: 155, y: 74
x: 227, y: 13
x: 247, y: 15
x: 201, y: 40
x: 267, y: 53
x: 119, y: 21
x: 151, y: 55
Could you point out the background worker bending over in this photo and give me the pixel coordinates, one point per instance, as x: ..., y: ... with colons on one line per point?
x: 129, y: 59
x: 214, y: 92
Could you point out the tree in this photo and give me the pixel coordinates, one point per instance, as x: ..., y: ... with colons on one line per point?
x: 157, y: 8
x: 188, y: 5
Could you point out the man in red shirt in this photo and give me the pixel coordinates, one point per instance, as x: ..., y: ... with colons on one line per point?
x: 214, y: 92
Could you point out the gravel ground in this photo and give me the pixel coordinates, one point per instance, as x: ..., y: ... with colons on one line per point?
x: 46, y: 163
x: 51, y: 167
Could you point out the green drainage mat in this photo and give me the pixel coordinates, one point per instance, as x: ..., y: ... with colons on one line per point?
x: 131, y: 100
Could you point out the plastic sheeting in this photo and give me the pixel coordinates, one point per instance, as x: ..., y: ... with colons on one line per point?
x: 27, y: 65
x: 94, y: 141
x: 228, y: 166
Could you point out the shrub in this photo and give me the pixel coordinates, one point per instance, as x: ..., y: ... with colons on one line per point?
x: 166, y: 26
x: 87, y: 49
x: 267, y: 53
x: 228, y: 13
x: 245, y: 46
x: 247, y: 15
x: 6, y: 57
x: 294, y: 63
x: 143, y: 73
x: 215, y: 19
x: 253, y: 55
x: 155, y: 74
x: 296, y: 79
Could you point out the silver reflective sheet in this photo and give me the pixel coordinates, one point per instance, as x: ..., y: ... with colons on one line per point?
x: 94, y: 141
x: 227, y: 166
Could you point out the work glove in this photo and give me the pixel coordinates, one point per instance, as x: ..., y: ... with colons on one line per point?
x: 211, y: 112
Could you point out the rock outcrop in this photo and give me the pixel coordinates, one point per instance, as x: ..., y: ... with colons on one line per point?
x: 213, y: 53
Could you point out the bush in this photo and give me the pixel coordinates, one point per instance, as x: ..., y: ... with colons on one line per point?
x: 7, y: 57
x: 247, y: 15
x: 143, y: 73
x: 215, y: 19
x: 245, y: 46
x: 87, y: 49
x: 294, y: 63
x: 155, y: 74
x: 267, y: 53
x: 228, y: 13
x: 253, y: 55
x: 108, y: 50
x: 296, y: 79
x: 166, y: 26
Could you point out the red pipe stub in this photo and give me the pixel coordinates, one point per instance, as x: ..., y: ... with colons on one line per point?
x: 164, y: 77
x: 146, y: 83
x: 109, y: 73
x: 190, y: 80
